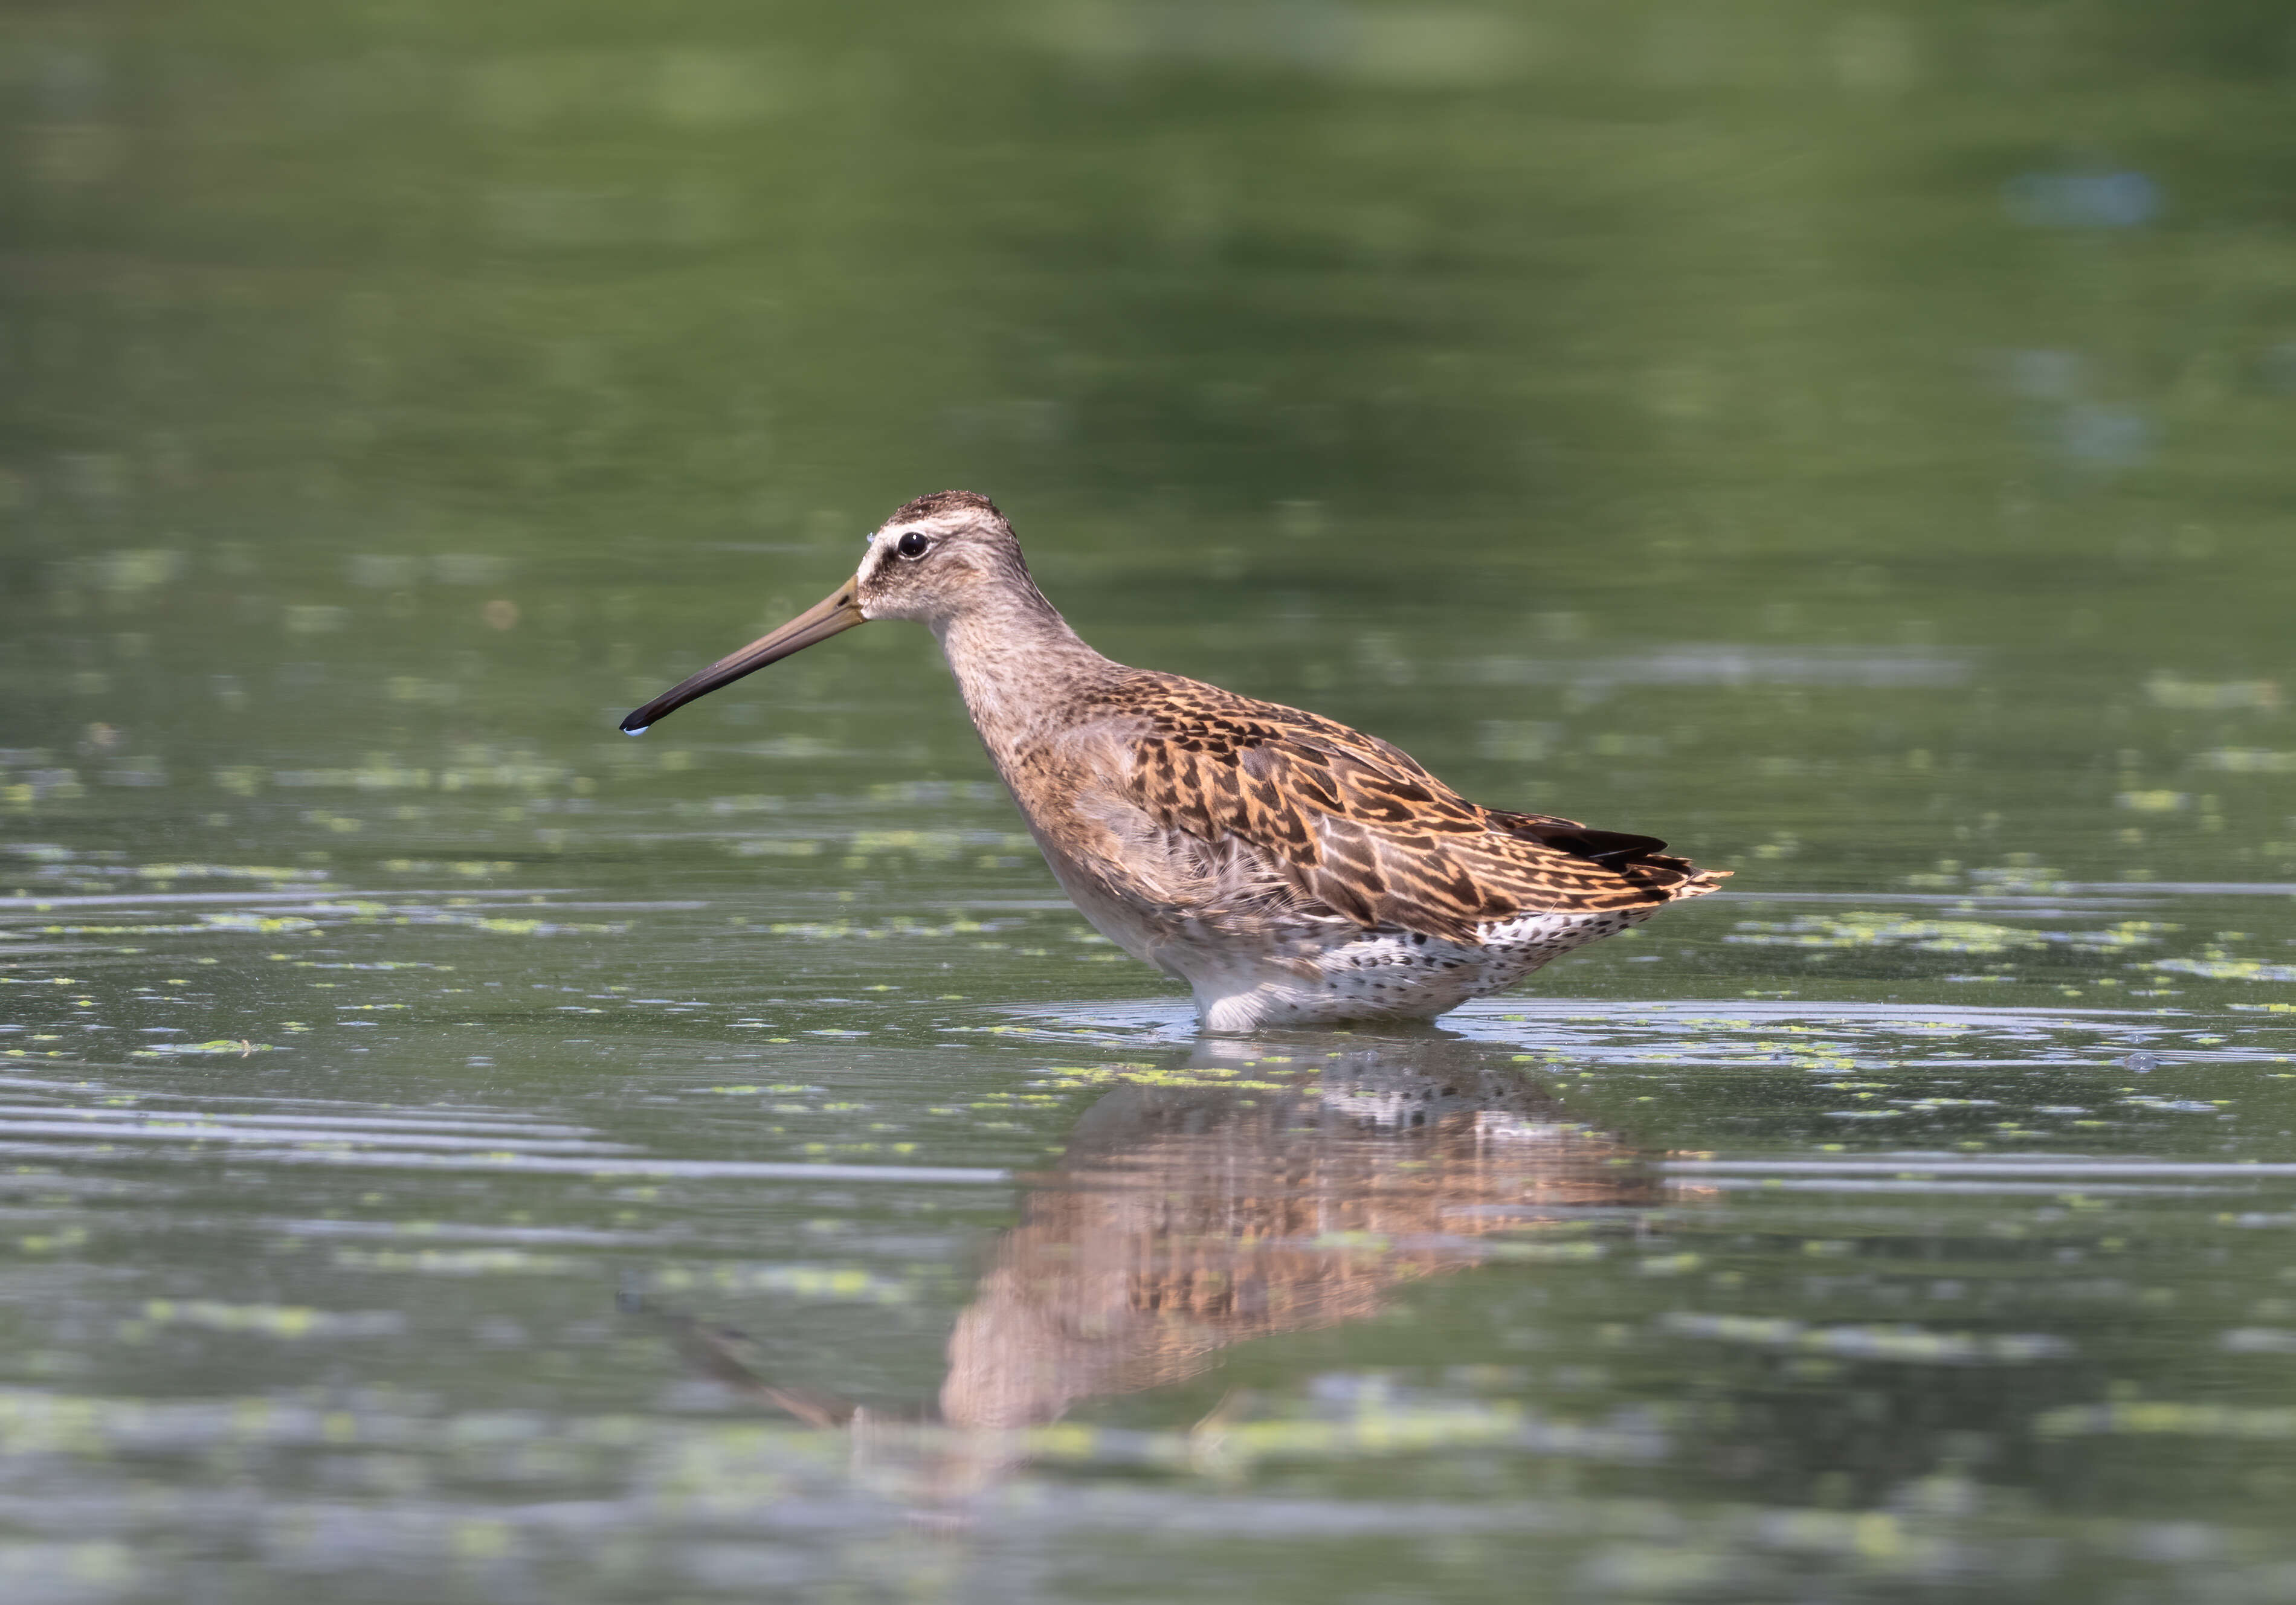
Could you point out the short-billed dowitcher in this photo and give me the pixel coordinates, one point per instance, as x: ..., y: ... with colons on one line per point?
x: 1290, y: 870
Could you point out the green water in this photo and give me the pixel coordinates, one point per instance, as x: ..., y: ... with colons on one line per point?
x: 451, y: 1151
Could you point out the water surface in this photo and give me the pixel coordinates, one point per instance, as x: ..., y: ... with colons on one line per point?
x: 451, y: 1151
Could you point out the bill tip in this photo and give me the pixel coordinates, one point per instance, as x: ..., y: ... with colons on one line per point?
x: 636, y: 729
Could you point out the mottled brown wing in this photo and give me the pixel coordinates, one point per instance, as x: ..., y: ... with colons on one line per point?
x: 1358, y: 826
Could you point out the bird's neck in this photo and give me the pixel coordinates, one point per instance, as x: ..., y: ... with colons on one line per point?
x: 1015, y: 660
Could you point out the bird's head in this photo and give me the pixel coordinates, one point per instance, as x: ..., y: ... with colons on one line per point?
x: 936, y: 559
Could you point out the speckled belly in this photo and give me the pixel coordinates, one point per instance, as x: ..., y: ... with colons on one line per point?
x: 1381, y: 975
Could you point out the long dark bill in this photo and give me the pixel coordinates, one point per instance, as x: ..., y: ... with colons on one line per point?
x: 841, y: 610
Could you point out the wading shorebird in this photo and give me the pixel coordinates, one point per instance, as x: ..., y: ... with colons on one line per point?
x: 1292, y: 870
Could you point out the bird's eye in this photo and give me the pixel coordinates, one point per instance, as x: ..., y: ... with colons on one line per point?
x: 914, y: 544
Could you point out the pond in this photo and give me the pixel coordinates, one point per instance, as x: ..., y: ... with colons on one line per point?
x: 451, y: 1151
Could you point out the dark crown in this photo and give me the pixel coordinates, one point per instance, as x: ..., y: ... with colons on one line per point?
x: 941, y: 501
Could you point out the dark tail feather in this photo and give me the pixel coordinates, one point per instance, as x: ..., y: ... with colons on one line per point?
x: 1643, y: 860
x: 1612, y: 849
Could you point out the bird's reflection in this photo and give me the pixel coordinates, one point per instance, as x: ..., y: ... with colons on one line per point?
x: 1184, y: 1218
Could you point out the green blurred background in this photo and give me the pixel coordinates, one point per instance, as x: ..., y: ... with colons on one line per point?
x: 1857, y: 438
